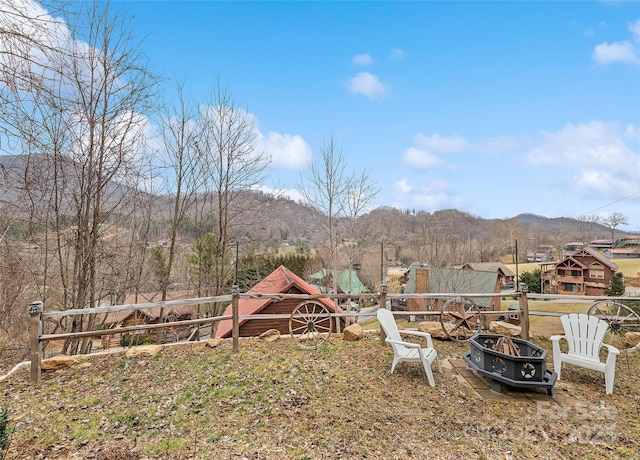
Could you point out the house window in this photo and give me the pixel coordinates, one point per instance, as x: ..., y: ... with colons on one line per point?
x: 596, y: 271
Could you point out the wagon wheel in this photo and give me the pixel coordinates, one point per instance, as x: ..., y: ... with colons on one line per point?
x: 624, y: 324
x: 460, y: 318
x: 310, y: 324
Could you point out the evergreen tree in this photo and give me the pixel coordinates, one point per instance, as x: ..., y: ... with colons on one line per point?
x: 532, y: 280
x: 616, y: 285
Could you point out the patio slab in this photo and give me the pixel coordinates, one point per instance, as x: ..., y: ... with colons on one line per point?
x: 482, y: 387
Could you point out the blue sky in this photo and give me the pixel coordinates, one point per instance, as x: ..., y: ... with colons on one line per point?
x: 493, y: 108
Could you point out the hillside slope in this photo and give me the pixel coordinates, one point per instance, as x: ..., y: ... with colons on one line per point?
x: 277, y: 401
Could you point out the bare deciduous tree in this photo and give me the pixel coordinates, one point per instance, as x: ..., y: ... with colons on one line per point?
x: 233, y: 165
x: 324, y: 188
x: 184, y: 173
x: 75, y: 111
x: 613, y: 221
x: 332, y: 193
x: 587, y: 225
x: 359, y: 195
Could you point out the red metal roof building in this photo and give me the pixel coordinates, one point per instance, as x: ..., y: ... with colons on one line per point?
x: 280, y: 281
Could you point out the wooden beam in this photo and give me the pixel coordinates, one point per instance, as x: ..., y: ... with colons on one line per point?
x: 383, y: 304
x: 524, y: 318
x: 235, y: 320
x: 35, y: 330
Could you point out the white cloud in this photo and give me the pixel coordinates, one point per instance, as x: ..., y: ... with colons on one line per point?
x: 425, y: 150
x: 594, y: 158
x: 634, y: 28
x: 429, y: 196
x: 362, y: 59
x: 368, y: 85
x: 286, y: 151
x: 402, y: 186
x: 31, y: 41
x: 623, y: 51
x: 27, y: 22
x: 397, y: 54
x: 420, y: 159
x: 283, y: 151
x: 498, y: 144
x: 292, y: 194
x: 438, y: 143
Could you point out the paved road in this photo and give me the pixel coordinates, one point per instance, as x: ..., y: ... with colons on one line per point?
x: 632, y: 291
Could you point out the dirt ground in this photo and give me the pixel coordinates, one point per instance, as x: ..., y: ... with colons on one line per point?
x: 275, y: 400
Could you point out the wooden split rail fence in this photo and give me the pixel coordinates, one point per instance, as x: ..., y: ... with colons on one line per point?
x: 38, y: 316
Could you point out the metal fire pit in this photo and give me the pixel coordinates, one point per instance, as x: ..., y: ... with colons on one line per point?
x: 528, y: 370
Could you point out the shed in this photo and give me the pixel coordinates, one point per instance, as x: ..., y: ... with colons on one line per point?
x: 280, y: 281
x: 504, y: 273
x: 429, y: 279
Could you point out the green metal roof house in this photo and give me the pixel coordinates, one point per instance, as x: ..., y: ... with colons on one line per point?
x: 347, y: 281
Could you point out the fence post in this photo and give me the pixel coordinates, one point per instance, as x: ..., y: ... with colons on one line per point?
x: 523, y: 305
x: 35, y: 330
x: 383, y: 304
x: 235, y: 320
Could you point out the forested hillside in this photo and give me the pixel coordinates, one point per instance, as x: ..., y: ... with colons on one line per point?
x: 107, y: 190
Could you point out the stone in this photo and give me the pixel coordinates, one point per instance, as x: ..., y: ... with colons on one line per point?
x: 504, y: 328
x: 632, y: 338
x: 212, y: 343
x: 57, y: 362
x: 434, y: 328
x: 144, y: 350
x: 270, y: 336
x: 353, y: 332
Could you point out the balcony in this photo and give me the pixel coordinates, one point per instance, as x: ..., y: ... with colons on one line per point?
x: 561, y: 291
x: 569, y: 279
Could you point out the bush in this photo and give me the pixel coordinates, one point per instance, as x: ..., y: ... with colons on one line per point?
x: 5, y: 432
x: 131, y: 340
x: 634, y: 305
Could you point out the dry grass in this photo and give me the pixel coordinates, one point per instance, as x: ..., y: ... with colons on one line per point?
x: 549, y: 325
x: 628, y: 267
x: 275, y: 401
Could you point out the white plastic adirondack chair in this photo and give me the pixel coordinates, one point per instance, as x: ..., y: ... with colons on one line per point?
x: 408, y: 351
x: 584, y: 335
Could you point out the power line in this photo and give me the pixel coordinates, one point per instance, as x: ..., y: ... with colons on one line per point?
x: 606, y: 150
x: 614, y: 202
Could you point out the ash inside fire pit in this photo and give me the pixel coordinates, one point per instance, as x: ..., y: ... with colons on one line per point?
x: 528, y: 370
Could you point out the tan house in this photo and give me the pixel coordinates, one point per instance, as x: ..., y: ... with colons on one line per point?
x: 151, y: 315
x: 585, y: 272
x: 622, y: 253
